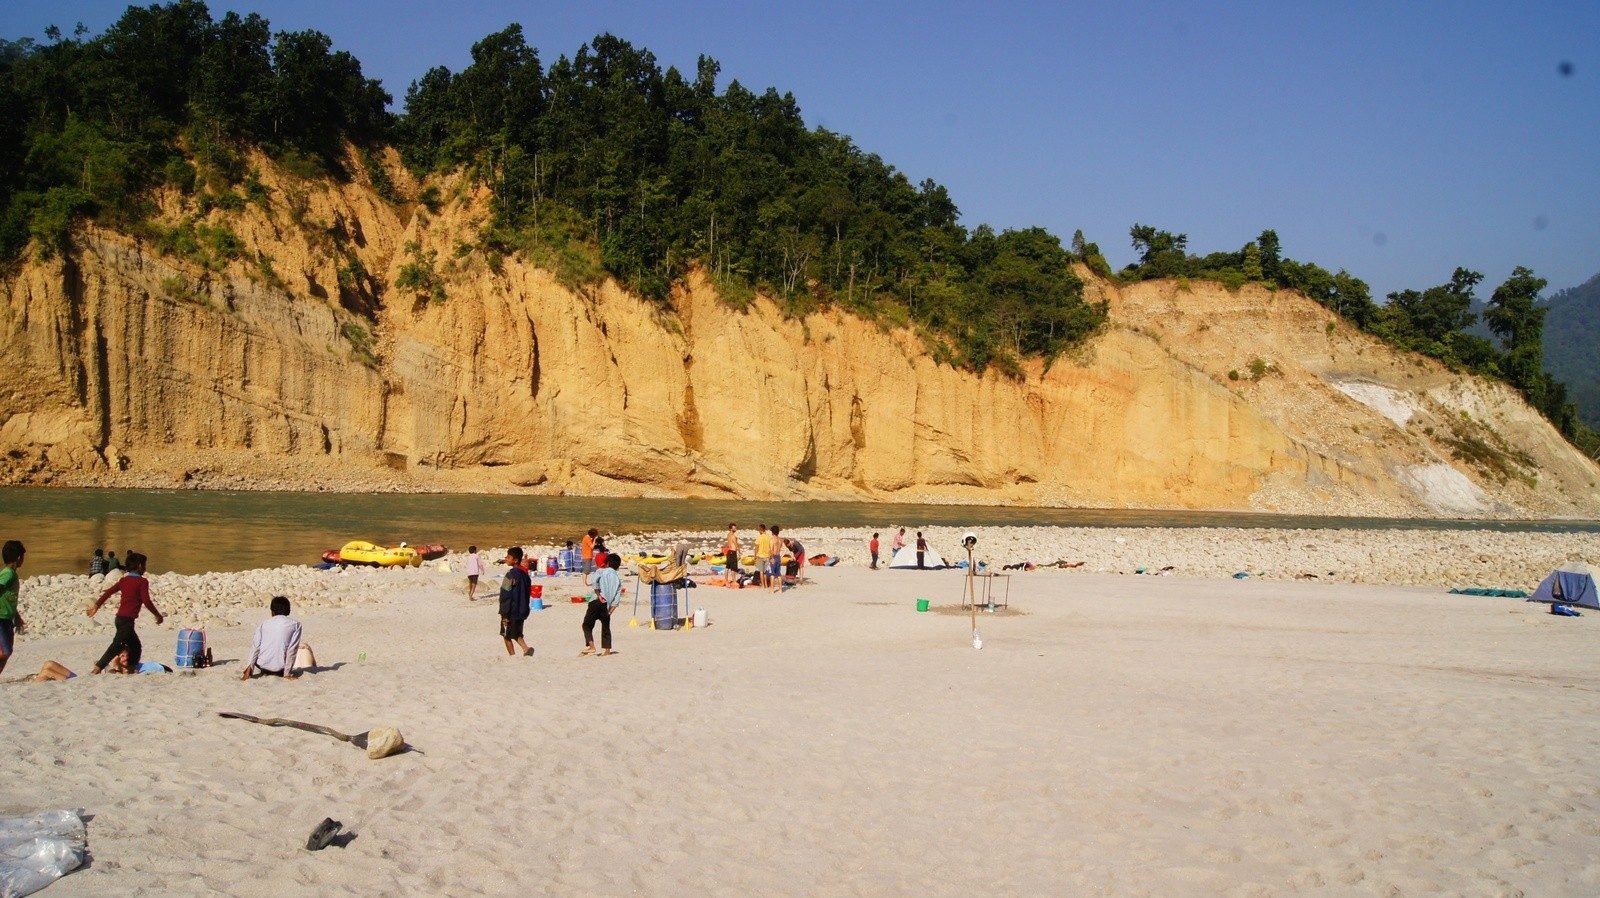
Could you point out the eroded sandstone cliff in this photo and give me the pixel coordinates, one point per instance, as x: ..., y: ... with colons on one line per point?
x: 297, y: 363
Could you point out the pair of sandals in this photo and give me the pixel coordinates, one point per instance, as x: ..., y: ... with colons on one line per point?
x: 590, y: 651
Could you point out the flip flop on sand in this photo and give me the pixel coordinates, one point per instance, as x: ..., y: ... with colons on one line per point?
x: 587, y: 651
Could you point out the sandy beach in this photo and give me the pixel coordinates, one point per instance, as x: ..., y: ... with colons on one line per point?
x: 1117, y: 734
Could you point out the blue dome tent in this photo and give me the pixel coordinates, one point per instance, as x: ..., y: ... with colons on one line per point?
x: 1569, y: 584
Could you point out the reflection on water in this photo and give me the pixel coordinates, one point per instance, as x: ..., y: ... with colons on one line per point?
x: 191, y: 531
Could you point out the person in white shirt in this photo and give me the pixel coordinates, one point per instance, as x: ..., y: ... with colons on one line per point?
x: 277, y: 641
x: 474, y: 571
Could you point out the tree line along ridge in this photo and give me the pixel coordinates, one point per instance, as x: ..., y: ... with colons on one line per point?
x: 602, y: 164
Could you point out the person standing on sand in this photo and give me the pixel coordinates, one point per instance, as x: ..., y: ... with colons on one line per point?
x: 514, y: 591
x: 762, y: 550
x: 135, y: 590
x: 922, y: 548
x: 775, y: 560
x: 10, y: 592
x: 730, y: 553
x: 872, y: 547
x: 474, y: 571
x: 586, y: 558
x: 608, y: 595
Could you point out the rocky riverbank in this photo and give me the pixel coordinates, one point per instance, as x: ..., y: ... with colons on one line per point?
x: 53, y: 605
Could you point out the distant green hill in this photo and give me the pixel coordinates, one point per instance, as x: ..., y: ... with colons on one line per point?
x: 1572, y: 346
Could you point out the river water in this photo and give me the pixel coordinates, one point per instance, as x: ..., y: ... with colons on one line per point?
x: 190, y: 531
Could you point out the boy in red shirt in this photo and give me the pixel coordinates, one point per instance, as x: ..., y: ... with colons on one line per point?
x: 873, y: 548
x: 135, y: 591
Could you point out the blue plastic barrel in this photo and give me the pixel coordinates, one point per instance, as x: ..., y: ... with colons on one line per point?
x: 191, y: 643
x: 664, y: 605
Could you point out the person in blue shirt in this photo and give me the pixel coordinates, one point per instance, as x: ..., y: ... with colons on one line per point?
x: 607, y: 596
x: 514, y: 590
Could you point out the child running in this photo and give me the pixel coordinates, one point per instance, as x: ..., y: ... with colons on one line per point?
x: 135, y: 590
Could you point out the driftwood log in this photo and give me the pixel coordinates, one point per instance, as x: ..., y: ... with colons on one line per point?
x: 379, y: 742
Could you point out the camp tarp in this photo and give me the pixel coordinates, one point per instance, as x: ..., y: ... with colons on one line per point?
x: 907, y: 558
x: 1576, y: 583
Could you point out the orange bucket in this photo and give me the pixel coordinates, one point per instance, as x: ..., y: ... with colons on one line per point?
x: 538, y: 590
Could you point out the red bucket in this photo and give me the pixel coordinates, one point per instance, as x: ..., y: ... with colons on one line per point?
x: 538, y: 590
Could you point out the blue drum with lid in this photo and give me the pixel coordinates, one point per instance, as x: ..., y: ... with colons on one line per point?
x: 664, y: 605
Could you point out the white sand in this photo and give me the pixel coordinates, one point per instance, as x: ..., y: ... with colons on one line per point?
x: 1123, y: 735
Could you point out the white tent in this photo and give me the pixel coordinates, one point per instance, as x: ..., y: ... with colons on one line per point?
x: 907, y: 557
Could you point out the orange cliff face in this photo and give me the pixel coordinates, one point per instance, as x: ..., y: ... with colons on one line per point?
x: 126, y: 367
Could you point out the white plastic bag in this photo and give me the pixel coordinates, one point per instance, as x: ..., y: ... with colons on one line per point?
x: 39, y: 849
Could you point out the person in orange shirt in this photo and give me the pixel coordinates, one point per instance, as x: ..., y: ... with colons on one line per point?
x: 587, y: 555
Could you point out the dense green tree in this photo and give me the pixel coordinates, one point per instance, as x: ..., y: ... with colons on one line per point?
x: 89, y: 124
x: 1271, y: 255
x: 1425, y: 320
x: 1518, y: 320
x: 1161, y: 253
x: 233, y: 77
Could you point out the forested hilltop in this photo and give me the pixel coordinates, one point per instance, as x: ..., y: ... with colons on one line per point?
x: 600, y: 165
x: 1572, y: 345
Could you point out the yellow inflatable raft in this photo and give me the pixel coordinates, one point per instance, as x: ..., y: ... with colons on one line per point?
x: 362, y: 552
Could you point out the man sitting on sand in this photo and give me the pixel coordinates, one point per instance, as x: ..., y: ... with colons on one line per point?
x: 276, y: 642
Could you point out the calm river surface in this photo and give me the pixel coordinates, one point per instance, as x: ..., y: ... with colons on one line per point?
x: 190, y: 531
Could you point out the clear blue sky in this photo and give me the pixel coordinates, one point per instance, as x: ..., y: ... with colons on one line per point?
x: 1393, y: 140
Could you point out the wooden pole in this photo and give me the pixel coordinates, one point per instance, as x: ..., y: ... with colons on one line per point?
x: 971, y: 592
